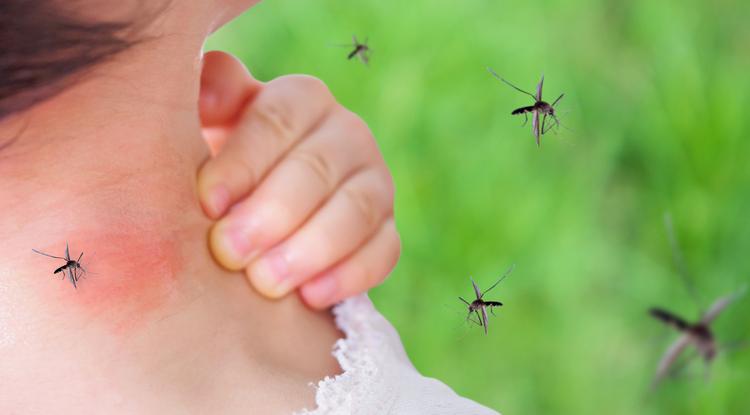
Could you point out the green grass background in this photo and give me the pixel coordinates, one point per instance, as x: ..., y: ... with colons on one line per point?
x: 657, y: 101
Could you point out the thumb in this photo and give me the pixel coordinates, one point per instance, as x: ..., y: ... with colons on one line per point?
x: 225, y: 90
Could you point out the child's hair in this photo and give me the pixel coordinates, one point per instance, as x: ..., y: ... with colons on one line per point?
x: 45, y: 44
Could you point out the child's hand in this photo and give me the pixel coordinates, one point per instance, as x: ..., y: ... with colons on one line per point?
x: 311, y: 198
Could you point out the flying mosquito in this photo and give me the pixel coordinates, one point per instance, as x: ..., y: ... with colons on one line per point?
x: 479, y: 304
x: 539, y: 107
x: 698, y: 334
x: 361, y: 50
x: 71, y: 265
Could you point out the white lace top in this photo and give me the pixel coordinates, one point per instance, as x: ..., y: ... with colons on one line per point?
x: 378, y: 377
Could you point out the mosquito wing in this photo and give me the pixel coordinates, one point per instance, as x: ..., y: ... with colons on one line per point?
x: 670, y: 357
x: 481, y: 322
x: 68, y: 273
x: 719, y: 305
x: 476, y: 289
x: 67, y: 252
x: 535, y: 126
x: 73, y: 277
x: 539, y: 89
x: 484, y: 318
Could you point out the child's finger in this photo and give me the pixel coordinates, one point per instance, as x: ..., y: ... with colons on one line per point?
x: 226, y: 89
x: 364, y: 269
x: 294, y: 189
x: 280, y: 115
x: 349, y: 218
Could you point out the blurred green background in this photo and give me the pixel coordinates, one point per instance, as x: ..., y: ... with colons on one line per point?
x: 656, y: 106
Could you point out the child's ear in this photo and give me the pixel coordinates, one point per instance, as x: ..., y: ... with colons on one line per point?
x: 225, y: 91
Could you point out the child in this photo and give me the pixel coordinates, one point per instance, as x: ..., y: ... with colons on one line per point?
x: 100, y: 142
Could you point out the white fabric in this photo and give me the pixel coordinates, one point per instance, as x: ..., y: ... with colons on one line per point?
x: 378, y: 377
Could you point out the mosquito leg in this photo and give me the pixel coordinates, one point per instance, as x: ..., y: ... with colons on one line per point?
x: 549, y: 127
x: 509, y: 84
x: 525, y: 119
x: 557, y: 124
x: 468, y: 318
x: 51, y: 256
x: 498, y: 281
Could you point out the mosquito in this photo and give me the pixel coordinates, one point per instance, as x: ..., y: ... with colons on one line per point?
x: 698, y: 334
x: 361, y: 50
x: 71, y: 265
x: 539, y: 107
x: 480, y: 304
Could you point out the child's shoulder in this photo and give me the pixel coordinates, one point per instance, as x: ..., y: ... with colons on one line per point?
x: 378, y: 377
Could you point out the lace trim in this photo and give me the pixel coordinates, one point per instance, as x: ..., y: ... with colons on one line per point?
x: 378, y: 378
x: 360, y: 354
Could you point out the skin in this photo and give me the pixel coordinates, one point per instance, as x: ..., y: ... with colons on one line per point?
x: 311, y: 168
x: 156, y: 326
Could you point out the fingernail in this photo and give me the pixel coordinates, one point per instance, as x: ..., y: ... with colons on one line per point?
x: 218, y: 199
x: 231, y: 243
x: 271, y: 274
x: 321, y: 292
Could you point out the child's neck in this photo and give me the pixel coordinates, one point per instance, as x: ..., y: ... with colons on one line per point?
x: 154, y: 319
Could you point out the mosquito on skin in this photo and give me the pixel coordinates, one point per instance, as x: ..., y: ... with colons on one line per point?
x: 698, y: 334
x: 480, y: 304
x: 71, y: 265
x: 539, y: 107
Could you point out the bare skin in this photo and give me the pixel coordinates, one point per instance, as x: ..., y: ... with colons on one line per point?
x: 109, y: 166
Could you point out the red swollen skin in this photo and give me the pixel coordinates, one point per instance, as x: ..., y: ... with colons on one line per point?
x: 130, y: 275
